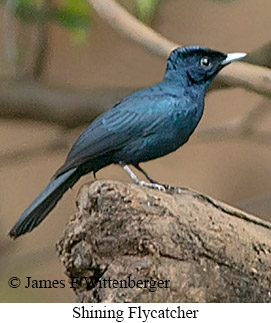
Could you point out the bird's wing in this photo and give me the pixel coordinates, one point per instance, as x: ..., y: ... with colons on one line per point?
x: 127, y: 121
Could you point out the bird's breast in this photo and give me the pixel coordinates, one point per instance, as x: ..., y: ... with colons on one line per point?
x: 174, y: 131
x: 186, y: 120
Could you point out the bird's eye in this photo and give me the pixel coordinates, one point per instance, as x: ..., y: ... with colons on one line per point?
x: 205, y: 61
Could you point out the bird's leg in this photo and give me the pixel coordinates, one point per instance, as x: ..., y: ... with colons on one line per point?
x: 153, y: 181
x: 130, y: 173
x: 141, y: 183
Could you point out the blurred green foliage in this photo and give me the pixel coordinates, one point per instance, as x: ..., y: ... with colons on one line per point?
x: 74, y: 15
x: 71, y: 14
x: 146, y: 10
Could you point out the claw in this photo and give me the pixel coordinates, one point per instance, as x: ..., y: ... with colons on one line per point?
x: 152, y: 185
x: 142, y: 183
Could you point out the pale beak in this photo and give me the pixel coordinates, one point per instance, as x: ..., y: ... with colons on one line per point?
x: 231, y: 57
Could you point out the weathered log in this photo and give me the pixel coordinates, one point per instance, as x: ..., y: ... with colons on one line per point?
x: 209, y: 251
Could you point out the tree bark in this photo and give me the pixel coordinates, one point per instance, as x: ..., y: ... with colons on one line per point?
x: 207, y: 250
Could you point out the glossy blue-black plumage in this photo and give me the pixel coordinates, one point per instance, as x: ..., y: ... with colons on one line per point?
x: 146, y: 125
x: 150, y: 123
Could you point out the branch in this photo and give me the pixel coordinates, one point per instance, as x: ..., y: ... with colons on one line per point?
x: 127, y: 25
x: 10, y: 39
x: 242, y: 128
x: 15, y: 157
x: 250, y: 77
x: 73, y: 108
x: 69, y: 109
x: 239, y: 74
x: 64, y: 107
x: 42, y: 50
x: 210, y: 251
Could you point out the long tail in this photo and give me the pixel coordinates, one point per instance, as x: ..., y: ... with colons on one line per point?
x: 44, y: 203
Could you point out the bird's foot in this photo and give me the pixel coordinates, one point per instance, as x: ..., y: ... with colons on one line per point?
x: 142, y: 183
x: 151, y: 185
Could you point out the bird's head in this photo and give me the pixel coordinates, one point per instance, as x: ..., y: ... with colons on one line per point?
x: 197, y: 65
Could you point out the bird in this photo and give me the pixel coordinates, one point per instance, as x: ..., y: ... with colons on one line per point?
x: 148, y: 124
